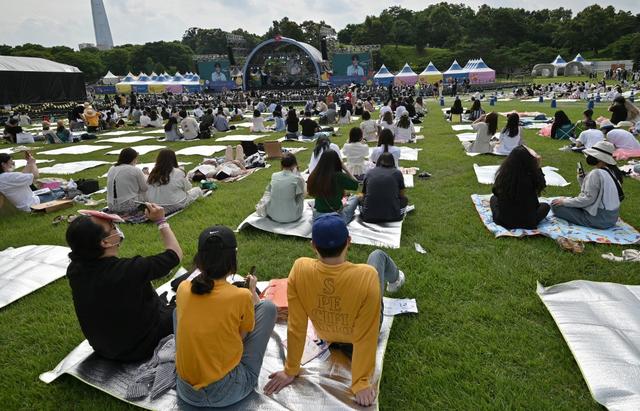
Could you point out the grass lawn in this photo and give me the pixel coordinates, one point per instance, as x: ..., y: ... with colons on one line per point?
x: 482, y: 340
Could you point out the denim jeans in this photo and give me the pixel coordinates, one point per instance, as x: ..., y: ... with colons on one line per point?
x: 241, y: 381
x: 387, y: 272
x: 347, y: 212
x: 603, y: 220
x: 55, y: 194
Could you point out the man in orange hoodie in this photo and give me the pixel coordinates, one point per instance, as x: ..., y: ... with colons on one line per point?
x: 343, y: 301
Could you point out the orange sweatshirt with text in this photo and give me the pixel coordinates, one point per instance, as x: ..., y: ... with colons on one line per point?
x: 343, y: 303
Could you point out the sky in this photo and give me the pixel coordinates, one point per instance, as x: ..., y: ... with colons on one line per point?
x: 68, y: 22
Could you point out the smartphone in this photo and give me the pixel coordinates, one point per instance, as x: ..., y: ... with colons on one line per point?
x: 580, y: 169
x: 141, y: 206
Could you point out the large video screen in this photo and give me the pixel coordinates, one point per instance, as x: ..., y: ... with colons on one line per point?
x: 351, y: 67
x: 216, y: 74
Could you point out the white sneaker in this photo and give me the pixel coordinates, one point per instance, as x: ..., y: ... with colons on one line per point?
x: 395, y: 286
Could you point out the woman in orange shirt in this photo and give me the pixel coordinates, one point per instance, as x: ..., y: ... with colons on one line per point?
x: 221, y: 330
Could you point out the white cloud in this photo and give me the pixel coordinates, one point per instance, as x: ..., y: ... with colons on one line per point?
x: 68, y: 22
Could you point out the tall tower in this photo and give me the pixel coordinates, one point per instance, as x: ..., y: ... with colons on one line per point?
x: 104, y: 41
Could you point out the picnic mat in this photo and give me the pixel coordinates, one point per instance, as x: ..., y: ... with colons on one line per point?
x: 552, y: 227
x: 117, y: 133
x: 23, y: 270
x: 75, y: 149
x: 241, y: 137
x: 140, y: 149
x: 406, y: 153
x: 600, y: 322
x: 625, y: 154
x: 200, y: 150
x: 243, y: 176
x: 461, y: 127
x: 155, y: 131
x: 487, y: 175
x: 491, y: 153
x: 71, y: 168
x: 324, y: 382
x: 380, y: 235
x: 21, y: 163
x: 126, y: 140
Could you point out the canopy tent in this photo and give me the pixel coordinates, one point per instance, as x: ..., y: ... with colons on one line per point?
x: 559, y: 61
x: 480, y: 73
x: 383, y: 77
x: 578, y: 66
x: 36, y: 80
x: 579, y: 58
x: 455, y: 72
x: 430, y: 75
x: 159, y: 83
x: 406, y: 77
x: 110, y: 78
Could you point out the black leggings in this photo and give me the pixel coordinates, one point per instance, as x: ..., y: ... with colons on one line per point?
x: 524, y: 222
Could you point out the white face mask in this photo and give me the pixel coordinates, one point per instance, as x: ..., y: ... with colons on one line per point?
x: 118, y: 233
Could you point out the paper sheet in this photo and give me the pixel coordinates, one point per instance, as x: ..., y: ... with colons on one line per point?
x: 205, y: 151
x: 75, y: 149
x: 241, y: 137
x: 487, y: 175
x: 71, y: 168
x: 117, y: 133
x: 461, y: 127
x: 127, y: 139
x: 150, y: 166
x: 142, y: 150
x: 397, y: 306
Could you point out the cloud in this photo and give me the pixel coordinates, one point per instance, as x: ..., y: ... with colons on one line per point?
x: 68, y: 22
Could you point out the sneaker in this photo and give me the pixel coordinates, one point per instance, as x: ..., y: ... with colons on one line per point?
x: 395, y: 286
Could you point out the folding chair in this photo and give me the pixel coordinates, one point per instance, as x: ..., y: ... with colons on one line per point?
x: 273, y: 149
x: 565, y: 132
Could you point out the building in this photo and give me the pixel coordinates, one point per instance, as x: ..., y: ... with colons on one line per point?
x: 83, y: 46
x: 104, y: 41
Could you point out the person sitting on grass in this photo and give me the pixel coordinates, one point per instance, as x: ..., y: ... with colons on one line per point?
x: 64, y: 135
x: 404, y: 131
x: 511, y: 135
x: 16, y: 186
x: 11, y: 130
x: 598, y: 204
x: 485, y: 127
x: 355, y: 153
x: 220, y: 123
x: 344, y: 115
x: 286, y: 192
x: 562, y: 128
x: 383, y: 192
x: 145, y: 120
x: 327, y: 184
x: 156, y: 120
x: 292, y: 125
x: 386, y: 142
x: 589, y: 137
x: 618, y: 110
x: 386, y: 121
x: 168, y: 184
x: 258, y: 123
x: 518, y: 184
x: 343, y: 300
x: 222, y: 330
x: 587, y: 115
x: 126, y: 183
x: 189, y: 126
x: 278, y: 121
x: 119, y: 312
x: 456, y: 109
x: 475, y: 111
x: 49, y: 135
x: 369, y: 127
x: 171, y: 130
x: 322, y: 144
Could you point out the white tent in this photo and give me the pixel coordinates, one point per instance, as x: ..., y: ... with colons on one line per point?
x: 383, y: 76
x: 110, y: 78
x: 559, y: 61
x: 455, y: 72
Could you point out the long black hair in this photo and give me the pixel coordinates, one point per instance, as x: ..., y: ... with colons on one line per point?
x: 560, y: 119
x: 172, y: 120
x: 518, y: 167
x: 512, y: 128
x: 4, y: 158
x: 322, y: 144
x: 355, y: 135
x: 127, y: 155
x: 386, y: 139
x: 166, y: 161
x: 321, y: 180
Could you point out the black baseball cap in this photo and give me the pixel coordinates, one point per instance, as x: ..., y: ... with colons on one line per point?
x: 218, y: 237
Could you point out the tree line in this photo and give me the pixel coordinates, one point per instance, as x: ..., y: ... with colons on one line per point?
x: 510, y: 40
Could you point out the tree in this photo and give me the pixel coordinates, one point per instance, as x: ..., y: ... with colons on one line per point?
x: 117, y: 60
x: 285, y: 28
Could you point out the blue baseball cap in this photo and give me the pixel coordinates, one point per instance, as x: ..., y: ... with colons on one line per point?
x: 329, y: 231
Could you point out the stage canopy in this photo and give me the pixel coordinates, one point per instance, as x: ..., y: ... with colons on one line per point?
x: 406, y: 77
x: 154, y: 83
x: 383, y: 77
x: 479, y: 72
x: 36, y: 80
x: 283, y: 63
x: 430, y: 75
x: 559, y: 61
x: 455, y: 72
x: 110, y: 79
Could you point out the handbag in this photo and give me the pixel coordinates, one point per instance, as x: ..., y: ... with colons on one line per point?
x: 88, y: 186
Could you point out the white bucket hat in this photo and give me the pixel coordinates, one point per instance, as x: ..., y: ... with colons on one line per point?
x: 603, y: 151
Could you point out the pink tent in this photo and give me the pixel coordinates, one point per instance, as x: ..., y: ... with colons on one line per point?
x: 406, y: 77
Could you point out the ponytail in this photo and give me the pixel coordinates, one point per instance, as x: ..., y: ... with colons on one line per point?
x: 201, y: 284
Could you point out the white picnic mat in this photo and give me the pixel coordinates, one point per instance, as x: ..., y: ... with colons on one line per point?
x: 117, y: 133
x: 487, y: 175
x: 246, y: 124
x: 417, y: 128
x: 127, y: 139
x: 23, y: 270
x: 200, y: 150
x: 21, y: 163
x: 406, y: 153
x: 71, y: 168
x: 379, y: 235
x: 466, y: 137
x: 325, y: 379
x: 408, y: 180
x: 156, y: 131
x: 140, y: 149
x: 75, y: 149
x: 241, y: 137
x: 461, y: 127
x: 600, y: 322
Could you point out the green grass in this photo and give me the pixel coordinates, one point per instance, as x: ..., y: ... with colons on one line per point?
x: 482, y: 340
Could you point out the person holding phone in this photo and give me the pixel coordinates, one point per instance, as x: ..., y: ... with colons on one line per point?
x: 118, y: 309
x: 221, y: 330
x: 16, y: 186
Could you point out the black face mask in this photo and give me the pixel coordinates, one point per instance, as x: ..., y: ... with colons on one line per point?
x: 592, y: 161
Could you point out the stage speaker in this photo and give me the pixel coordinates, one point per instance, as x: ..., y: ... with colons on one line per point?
x: 232, y: 61
x: 323, y: 49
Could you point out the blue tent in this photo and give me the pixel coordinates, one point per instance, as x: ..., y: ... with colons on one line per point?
x: 559, y: 61
x: 455, y: 72
x: 383, y: 77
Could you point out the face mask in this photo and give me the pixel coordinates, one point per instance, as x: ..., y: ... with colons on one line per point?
x: 118, y: 233
x: 592, y: 161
